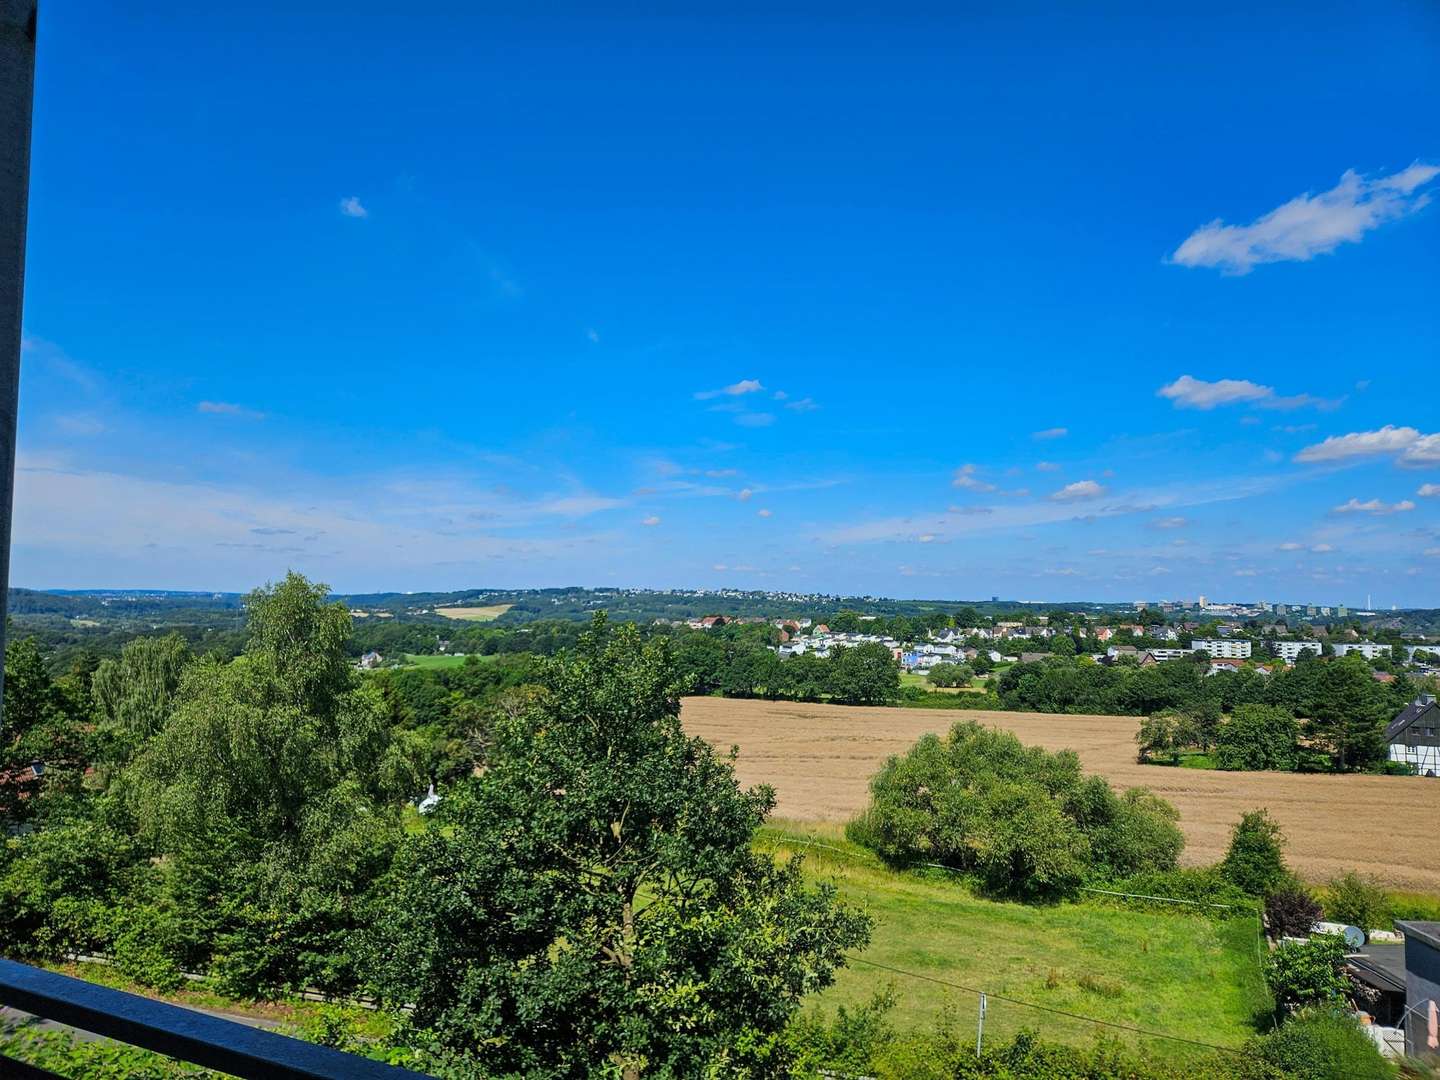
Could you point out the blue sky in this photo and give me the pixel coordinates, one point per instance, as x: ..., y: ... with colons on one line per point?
x: 1008, y: 301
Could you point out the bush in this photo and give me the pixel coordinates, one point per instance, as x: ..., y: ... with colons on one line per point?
x: 1025, y: 821
x: 1291, y: 911
x: 149, y: 946
x: 1307, y: 973
x: 1357, y: 901
x: 1254, y: 860
x: 1258, y: 737
x: 1323, y: 1044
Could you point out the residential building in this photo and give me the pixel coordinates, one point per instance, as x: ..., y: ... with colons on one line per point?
x: 1422, y: 985
x: 1217, y: 666
x: 1169, y: 654
x: 1368, y: 649
x: 1223, y: 648
x: 1290, y: 651
x: 1414, y: 736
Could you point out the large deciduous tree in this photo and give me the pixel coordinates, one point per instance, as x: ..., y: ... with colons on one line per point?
x: 591, y: 903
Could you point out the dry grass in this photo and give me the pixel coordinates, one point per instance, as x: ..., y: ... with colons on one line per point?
x: 474, y: 614
x: 820, y: 758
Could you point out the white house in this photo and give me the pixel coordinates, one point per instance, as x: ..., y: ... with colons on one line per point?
x: 1368, y: 649
x: 1414, y: 736
x: 1290, y: 651
x: 1223, y: 648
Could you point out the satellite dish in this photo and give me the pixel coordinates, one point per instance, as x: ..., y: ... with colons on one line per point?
x: 1353, y: 936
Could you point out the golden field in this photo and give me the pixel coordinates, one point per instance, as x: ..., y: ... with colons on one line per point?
x: 819, y: 759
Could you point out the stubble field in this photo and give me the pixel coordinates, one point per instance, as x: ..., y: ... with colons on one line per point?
x: 819, y: 759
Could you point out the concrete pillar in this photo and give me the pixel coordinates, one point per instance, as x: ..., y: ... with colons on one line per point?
x: 17, y: 92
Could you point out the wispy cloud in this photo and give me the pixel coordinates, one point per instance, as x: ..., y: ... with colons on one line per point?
x: 592, y: 335
x: 352, y: 207
x: 1291, y: 545
x: 1050, y: 433
x: 1373, y: 506
x: 965, y: 478
x: 762, y: 513
x: 651, y: 521
x: 1174, y: 522
x: 1188, y: 392
x: 1310, y: 224
x: 1047, y: 466
x: 755, y: 419
x: 1429, y: 491
x: 1080, y: 489
x: 736, y: 389
x: 1409, y: 446
x: 803, y: 404
x: 229, y: 408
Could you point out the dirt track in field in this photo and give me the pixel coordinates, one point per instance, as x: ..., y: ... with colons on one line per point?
x: 819, y: 759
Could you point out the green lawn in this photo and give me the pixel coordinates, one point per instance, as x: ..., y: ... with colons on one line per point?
x: 437, y: 661
x: 1180, y: 974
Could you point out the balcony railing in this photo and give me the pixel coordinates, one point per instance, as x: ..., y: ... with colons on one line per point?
x: 184, y: 1034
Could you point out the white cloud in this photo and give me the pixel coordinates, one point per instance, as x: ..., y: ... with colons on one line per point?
x: 351, y: 206
x: 1373, y: 506
x: 228, y: 408
x: 1245, y: 573
x: 1081, y: 489
x: 1176, y: 522
x: 1046, y: 466
x: 1321, y: 549
x: 965, y: 478
x: 1434, y: 552
x: 744, y: 494
x: 1309, y: 225
x: 1050, y: 433
x: 803, y: 404
x: 1291, y: 545
x: 762, y: 513
x: 652, y: 520
x: 592, y: 335
x: 926, y: 538
x: 1188, y: 392
x: 1429, y: 491
x: 1410, y: 446
x: 736, y: 389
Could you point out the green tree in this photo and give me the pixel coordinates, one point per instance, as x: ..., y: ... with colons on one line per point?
x: 134, y: 693
x: 1350, y: 713
x: 592, y: 901
x: 864, y: 675
x: 266, y: 790
x: 41, y: 726
x: 1255, y: 860
x: 1259, y: 737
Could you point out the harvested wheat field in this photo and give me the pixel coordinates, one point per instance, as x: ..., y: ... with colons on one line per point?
x: 819, y: 759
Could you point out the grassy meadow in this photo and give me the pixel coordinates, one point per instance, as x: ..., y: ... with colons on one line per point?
x: 1181, y: 974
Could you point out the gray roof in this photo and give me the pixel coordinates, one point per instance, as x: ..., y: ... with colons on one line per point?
x: 1428, y: 932
x: 1408, y: 716
x: 1380, y: 966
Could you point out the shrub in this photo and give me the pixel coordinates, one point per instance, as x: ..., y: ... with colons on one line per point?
x: 1254, y: 860
x: 1258, y: 737
x: 1291, y: 911
x: 1307, y: 973
x: 1202, y: 885
x: 1323, y: 1044
x: 148, y: 947
x: 1356, y: 901
x: 1025, y: 821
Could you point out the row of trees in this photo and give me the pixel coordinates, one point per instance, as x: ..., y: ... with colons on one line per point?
x: 866, y: 674
x: 1343, y: 709
x: 584, y: 899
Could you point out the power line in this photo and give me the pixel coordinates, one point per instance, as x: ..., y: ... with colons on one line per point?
x: 1045, y: 1008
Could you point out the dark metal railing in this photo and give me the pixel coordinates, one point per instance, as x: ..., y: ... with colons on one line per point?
x: 194, y: 1037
